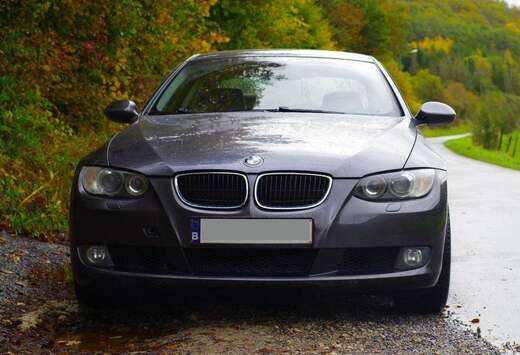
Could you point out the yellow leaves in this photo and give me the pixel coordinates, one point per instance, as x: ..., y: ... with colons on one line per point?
x: 205, y: 6
x: 206, y: 44
x: 436, y: 44
x: 70, y: 342
x: 513, y: 27
x: 173, y: 38
x: 164, y: 18
x: 216, y: 37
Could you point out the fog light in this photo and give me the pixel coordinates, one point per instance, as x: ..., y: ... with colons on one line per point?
x: 413, y: 257
x: 96, y: 255
x: 410, y: 258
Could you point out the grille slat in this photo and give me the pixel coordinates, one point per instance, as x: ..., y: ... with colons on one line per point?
x: 212, y: 189
x: 291, y: 190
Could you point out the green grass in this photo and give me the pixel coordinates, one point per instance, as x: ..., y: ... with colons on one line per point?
x: 466, y: 147
x: 449, y: 130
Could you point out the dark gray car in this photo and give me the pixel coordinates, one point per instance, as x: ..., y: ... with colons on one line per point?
x: 284, y: 167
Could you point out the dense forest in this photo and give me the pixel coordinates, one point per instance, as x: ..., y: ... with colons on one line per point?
x: 63, y: 61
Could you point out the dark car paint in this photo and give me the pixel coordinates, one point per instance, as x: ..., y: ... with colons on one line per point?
x: 422, y: 156
x: 357, y: 223
x: 355, y: 145
x: 351, y: 147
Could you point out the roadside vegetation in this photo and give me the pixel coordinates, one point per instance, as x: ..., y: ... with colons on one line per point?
x: 507, y: 156
x: 448, y: 130
x: 62, y: 62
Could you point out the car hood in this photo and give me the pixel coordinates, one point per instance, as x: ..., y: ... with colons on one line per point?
x: 340, y: 145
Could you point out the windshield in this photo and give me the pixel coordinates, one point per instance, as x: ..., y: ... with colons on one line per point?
x: 278, y: 84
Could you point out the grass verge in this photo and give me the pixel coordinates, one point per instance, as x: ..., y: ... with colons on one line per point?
x: 466, y: 147
x: 450, y: 130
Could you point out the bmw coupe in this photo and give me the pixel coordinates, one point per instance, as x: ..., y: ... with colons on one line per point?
x: 278, y: 167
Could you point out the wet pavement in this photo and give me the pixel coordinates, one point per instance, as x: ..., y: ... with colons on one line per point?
x: 485, y: 220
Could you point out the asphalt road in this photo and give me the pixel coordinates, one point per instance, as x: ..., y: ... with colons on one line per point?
x: 485, y: 218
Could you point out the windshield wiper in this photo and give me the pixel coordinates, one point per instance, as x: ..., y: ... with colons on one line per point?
x: 288, y: 109
x: 184, y: 110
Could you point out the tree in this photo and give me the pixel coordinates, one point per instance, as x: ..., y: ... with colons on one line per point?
x: 271, y: 24
x: 482, y: 72
x: 497, y: 115
x: 428, y: 87
x: 373, y: 27
x: 463, y: 101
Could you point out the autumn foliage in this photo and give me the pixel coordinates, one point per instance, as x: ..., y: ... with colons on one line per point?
x: 63, y: 61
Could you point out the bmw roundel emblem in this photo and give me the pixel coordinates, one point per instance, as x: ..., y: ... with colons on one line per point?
x: 253, y: 161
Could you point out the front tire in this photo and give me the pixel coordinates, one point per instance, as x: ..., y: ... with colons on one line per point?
x: 89, y: 293
x: 91, y: 297
x: 434, y: 299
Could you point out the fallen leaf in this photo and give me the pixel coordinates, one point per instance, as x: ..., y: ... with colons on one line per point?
x: 72, y: 343
x: 21, y: 283
x: 30, y: 320
x: 475, y: 320
x: 5, y: 271
x: 14, y: 258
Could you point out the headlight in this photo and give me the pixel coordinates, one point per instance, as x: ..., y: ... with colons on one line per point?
x: 406, y: 184
x: 111, y: 182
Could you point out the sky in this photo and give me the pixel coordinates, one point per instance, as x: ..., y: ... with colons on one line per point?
x: 514, y: 2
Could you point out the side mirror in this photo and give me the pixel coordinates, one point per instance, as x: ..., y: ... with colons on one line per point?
x: 122, y: 111
x: 435, y: 113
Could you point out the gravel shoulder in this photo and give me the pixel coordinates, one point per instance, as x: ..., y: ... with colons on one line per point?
x: 39, y: 314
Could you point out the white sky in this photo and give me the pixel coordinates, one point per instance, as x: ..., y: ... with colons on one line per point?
x: 514, y: 2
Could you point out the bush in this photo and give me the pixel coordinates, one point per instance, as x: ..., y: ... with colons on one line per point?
x: 497, y: 114
x: 37, y: 158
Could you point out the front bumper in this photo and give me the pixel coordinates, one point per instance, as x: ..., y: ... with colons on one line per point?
x: 421, y: 278
x: 341, y: 224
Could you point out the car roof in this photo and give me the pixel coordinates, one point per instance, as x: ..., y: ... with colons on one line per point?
x: 304, y: 53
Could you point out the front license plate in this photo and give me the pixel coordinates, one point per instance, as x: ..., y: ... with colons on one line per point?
x: 251, y: 231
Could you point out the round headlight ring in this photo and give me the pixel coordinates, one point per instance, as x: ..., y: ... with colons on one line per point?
x: 402, y: 185
x: 136, y: 185
x: 110, y: 181
x: 375, y: 187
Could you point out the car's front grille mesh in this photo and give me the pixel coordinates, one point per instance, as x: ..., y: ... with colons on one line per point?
x: 158, y: 260
x: 366, y: 261
x: 212, y: 190
x: 244, y: 262
x: 251, y: 262
x: 283, y: 190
